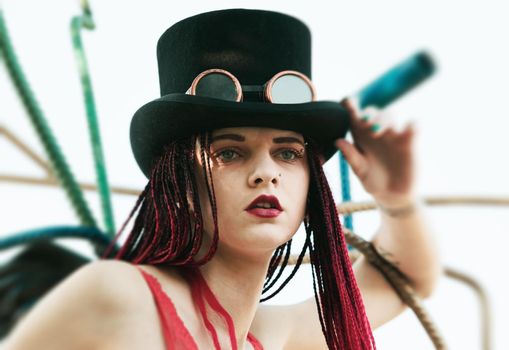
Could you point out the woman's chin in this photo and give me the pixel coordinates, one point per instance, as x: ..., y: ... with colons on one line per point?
x: 262, y: 238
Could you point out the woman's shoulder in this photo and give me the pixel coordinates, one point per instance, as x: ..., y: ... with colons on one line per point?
x: 99, y: 293
x: 106, y: 288
x: 110, y: 275
x: 120, y: 285
x: 111, y: 279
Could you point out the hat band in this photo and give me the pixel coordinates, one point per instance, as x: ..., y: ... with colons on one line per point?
x: 285, y: 87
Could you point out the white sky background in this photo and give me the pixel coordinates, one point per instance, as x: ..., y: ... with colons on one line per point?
x: 461, y: 116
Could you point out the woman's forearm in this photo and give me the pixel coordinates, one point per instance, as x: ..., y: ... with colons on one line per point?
x: 406, y: 239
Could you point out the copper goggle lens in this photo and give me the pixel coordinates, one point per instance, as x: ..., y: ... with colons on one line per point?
x: 217, y: 83
x: 285, y: 87
x: 290, y: 87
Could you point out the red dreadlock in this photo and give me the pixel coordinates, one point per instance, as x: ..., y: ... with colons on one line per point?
x: 163, y: 230
x: 340, y: 307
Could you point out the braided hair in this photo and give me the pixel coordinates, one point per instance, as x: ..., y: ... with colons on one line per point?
x: 166, y: 231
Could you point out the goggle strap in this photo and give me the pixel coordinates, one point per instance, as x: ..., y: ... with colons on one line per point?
x: 253, y: 88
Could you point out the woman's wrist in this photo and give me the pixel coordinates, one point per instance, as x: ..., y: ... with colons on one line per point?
x: 400, y: 211
x: 399, y: 208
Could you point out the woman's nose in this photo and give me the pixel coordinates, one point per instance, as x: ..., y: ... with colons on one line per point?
x: 264, y: 172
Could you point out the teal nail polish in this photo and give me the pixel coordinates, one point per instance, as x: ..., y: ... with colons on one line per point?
x: 365, y: 118
x: 375, y: 127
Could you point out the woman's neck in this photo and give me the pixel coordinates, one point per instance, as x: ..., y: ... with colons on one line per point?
x: 237, y: 284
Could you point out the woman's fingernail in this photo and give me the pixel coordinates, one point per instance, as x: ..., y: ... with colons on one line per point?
x: 365, y: 118
x: 375, y: 127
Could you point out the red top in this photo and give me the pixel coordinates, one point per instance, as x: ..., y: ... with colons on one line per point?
x: 176, y: 335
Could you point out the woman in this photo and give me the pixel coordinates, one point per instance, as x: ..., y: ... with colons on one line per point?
x: 234, y: 161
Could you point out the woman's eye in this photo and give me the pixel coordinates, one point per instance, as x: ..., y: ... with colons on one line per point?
x: 289, y: 154
x: 227, y: 155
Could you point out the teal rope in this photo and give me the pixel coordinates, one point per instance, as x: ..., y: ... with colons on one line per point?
x: 390, y: 86
x: 345, y: 188
x: 57, y: 160
x: 41, y: 234
x: 77, y: 23
x: 398, y: 80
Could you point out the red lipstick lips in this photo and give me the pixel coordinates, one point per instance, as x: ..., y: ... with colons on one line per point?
x: 265, y: 207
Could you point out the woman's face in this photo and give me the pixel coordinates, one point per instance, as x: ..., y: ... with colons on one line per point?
x: 247, y: 163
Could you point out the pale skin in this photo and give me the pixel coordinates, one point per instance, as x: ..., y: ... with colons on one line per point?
x: 107, y: 305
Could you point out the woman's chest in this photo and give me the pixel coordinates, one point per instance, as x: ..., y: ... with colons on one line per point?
x: 147, y: 333
x: 161, y: 320
x: 145, y: 338
x: 149, y: 329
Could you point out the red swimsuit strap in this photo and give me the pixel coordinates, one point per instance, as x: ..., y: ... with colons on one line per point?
x: 202, y: 290
x: 256, y: 344
x: 199, y: 283
x: 175, y: 332
x: 198, y: 299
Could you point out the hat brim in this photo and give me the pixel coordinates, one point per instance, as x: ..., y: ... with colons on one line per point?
x: 176, y: 116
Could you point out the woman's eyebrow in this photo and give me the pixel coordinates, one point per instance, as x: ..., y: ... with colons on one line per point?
x: 240, y: 138
x: 233, y: 137
x: 287, y: 139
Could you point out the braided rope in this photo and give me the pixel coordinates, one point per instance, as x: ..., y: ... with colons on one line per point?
x: 342, y: 208
x: 60, y: 166
x: 26, y: 150
x: 352, y: 207
x: 484, y: 304
x: 77, y: 23
x: 49, y: 233
x: 50, y: 180
x: 395, y: 278
x: 400, y: 284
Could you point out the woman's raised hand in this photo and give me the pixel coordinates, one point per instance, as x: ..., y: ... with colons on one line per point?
x: 381, y: 156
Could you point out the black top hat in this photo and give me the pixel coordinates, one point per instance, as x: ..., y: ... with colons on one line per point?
x: 253, y: 45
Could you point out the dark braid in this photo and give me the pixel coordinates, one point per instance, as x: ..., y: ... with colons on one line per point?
x: 270, y: 280
x: 283, y: 265
x: 340, y: 307
x: 275, y: 262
